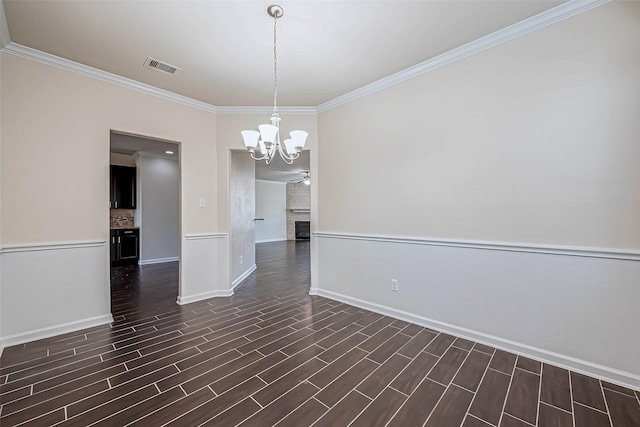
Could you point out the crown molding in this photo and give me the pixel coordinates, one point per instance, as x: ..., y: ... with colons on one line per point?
x: 85, y: 70
x: 551, y: 16
x: 267, y: 110
x: 541, y: 20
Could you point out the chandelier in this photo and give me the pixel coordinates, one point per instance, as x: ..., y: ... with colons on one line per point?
x: 268, y: 139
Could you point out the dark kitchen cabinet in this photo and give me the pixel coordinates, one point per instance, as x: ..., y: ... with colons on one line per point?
x: 125, y: 246
x: 123, y: 187
x: 112, y: 247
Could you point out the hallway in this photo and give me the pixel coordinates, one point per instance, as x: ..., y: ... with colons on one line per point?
x: 272, y: 354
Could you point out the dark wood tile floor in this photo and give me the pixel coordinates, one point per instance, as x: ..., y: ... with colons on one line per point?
x: 273, y: 355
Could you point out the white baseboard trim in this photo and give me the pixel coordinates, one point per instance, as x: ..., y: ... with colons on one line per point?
x: 615, y: 376
x: 205, y: 295
x: 281, y: 239
x: 158, y: 260
x: 242, y: 277
x: 52, y: 331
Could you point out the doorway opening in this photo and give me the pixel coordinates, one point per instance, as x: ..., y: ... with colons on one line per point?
x: 265, y: 202
x: 144, y: 222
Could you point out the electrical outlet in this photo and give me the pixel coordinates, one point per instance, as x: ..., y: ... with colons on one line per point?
x: 394, y: 285
x: 241, y: 260
x: 203, y: 202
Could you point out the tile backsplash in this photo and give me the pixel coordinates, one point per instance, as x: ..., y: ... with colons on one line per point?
x: 121, y: 217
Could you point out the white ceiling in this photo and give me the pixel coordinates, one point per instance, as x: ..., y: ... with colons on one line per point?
x: 325, y: 48
x: 278, y: 170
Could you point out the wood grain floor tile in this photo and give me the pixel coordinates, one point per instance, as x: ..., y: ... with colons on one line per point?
x: 337, y: 368
x: 288, y: 381
x: 509, y: 421
x: 550, y: 416
x: 345, y: 411
x: 419, y: 405
x: 587, y: 390
x: 522, y: 401
x: 623, y: 408
x: 451, y: 409
x: 409, y: 379
x: 472, y: 370
x: 188, y: 409
x: 619, y: 389
x: 272, y: 354
x: 380, y: 411
x: 383, y: 376
x: 503, y: 361
x: 448, y: 365
x: 490, y: 397
x: 384, y: 351
x: 588, y: 417
x: 341, y: 348
x: 440, y: 344
x: 281, y: 407
x: 555, y: 389
x: 417, y: 343
x: 305, y: 415
x: 463, y: 344
x: 484, y: 348
x: 242, y: 374
x: 232, y: 416
x: 472, y: 421
x: 335, y: 391
x: 530, y: 365
x: 290, y: 363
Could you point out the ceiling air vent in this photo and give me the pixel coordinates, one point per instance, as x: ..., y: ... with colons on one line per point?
x: 160, y: 66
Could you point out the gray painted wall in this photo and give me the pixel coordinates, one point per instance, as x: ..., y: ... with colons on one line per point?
x: 158, y: 208
x: 242, y: 198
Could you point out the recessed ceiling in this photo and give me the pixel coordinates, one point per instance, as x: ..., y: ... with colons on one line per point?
x: 130, y: 144
x: 224, y: 48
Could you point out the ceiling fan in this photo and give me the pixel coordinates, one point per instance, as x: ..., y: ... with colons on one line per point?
x: 306, y: 179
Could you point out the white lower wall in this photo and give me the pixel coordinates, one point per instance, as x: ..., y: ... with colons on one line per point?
x: 204, y: 269
x: 53, y: 288
x: 576, y: 308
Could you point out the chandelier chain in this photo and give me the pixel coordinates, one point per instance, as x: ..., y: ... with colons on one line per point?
x: 267, y: 142
x: 275, y: 63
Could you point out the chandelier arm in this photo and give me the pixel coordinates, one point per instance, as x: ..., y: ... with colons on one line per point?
x: 258, y: 158
x: 286, y: 158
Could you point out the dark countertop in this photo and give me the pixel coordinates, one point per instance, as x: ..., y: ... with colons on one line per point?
x: 124, y: 228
